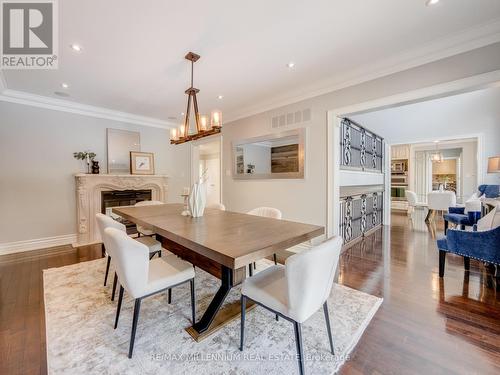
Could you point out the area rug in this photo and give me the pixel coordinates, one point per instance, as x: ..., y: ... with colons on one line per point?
x: 81, y: 340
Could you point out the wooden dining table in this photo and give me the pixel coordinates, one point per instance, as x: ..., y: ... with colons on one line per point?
x: 221, y: 243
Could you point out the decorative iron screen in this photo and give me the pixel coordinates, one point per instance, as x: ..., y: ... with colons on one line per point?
x: 359, y: 214
x: 360, y: 148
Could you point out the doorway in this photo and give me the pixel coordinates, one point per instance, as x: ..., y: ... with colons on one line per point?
x: 206, y: 157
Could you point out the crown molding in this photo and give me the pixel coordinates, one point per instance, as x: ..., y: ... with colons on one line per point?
x: 451, y: 45
x: 21, y: 97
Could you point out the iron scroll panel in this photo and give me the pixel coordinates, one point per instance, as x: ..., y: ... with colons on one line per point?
x: 359, y: 214
x: 360, y: 148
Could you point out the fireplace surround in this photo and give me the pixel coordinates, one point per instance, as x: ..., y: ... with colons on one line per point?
x: 89, y: 193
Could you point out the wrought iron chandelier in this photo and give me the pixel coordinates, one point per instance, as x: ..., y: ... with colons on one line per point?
x: 204, y: 128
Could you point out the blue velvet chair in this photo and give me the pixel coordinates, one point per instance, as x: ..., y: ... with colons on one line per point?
x: 456, y: 215
x: 483, y: 246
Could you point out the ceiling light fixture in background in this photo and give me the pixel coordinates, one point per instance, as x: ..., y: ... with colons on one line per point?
x: 431, y: 2
x: 76, y: 47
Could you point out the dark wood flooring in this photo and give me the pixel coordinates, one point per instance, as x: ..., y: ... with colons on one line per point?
x: 426, y: 325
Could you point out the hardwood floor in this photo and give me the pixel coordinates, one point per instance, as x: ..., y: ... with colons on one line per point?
x: 425, y: 325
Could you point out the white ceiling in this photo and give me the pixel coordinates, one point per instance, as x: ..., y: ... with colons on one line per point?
x: 447, y: 118
x: 133, y: 51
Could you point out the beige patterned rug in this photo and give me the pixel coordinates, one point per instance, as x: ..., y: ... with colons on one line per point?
x: 81, y: 339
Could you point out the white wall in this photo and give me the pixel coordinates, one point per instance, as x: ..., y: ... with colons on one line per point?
x: 37, y: 192
x: 476, y: 112
x: 305, y: 200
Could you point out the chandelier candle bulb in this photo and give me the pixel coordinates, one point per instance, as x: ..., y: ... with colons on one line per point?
x: 204, y: 122
x: 173, y: 135
x: 216, y: 119
x: 182, y: 131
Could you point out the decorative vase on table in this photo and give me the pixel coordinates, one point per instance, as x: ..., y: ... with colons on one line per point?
x: 197, y: 199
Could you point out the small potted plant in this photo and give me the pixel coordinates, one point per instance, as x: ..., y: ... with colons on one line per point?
x: 88, y: 156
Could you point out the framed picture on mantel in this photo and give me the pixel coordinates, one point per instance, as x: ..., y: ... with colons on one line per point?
x: 142, y: 162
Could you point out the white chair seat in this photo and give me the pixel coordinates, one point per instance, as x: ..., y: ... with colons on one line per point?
x: 167, y: 271
x: 152, y: 244
x: 268, y: 287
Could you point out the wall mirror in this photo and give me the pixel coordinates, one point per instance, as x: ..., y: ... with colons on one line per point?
x: 120, y: 143
x: 278, y: 155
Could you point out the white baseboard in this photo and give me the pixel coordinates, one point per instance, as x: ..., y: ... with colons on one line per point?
x: 38, y: 243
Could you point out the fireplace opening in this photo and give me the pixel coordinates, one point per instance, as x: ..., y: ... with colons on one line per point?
x: 115, y: 198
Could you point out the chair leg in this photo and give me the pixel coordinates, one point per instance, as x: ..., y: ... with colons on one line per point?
x: 170, y: 296
x: 250, y: 270
x: 442, y: 259
x: 275, y: 259
x: 298, y: 342
x: 107, y: 270
x: 328, y: 327
x: 119, y: 306
x: 114, y: 287
x: 193, y: 301
x: 254, y: 266
x: 242, y: 326
x: 159, y: 254
x: 467, y: 263
x: 137, y: 308
x: 445, y: 227
x: 429, y: 214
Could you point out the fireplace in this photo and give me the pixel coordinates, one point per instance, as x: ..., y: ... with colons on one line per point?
x: 100, y: 192
x: 115, y: 198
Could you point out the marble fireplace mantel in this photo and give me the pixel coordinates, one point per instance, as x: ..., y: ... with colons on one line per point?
x: 88, y: 197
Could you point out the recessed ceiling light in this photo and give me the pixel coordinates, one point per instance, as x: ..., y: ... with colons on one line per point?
x: 76, y: 47
x: 431, y: 2
x: 220, y: 97
x: 182, y: 113
x: 290, y: 65
x: 64, y: 85
x: 436, y: 141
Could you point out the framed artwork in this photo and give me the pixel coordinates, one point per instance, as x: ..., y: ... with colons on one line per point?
x: 142, y: 162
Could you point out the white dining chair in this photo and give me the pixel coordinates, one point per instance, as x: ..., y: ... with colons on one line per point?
x: 413, y: 201
x: 269, y: 212
x: 144, y: 230
x: 440, y: 201
x: 103, y: 222
x: 217, y: 206
x: 296, y: 290
x: 142, y: 277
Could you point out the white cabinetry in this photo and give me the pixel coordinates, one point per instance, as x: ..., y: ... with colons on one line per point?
x: 400, y: 152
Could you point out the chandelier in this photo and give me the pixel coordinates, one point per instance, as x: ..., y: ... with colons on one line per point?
x: 438, y: 155
x: 204, y: 127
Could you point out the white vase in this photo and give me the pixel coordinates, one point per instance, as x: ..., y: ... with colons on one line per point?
x: 197, y: 200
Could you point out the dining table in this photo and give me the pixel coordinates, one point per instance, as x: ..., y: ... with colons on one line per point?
x: 222, y: 243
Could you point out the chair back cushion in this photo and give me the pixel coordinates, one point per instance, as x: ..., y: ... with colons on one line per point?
x: 103, y: 222
x: 488, y: 222
x: 131, y: 259
x: 309, y: 277
x: 441, y: 200
x: 489, y: 191
x: 411, y: 196
x: 270, y: 212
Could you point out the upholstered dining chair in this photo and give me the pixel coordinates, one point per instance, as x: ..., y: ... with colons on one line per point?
x: 413, y: 201
x: 269, y: 212
x: 103, y: 222
x: 141, y: 277
x: 440, y: 201
x: 144, y: 230
x: 296, y: 290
